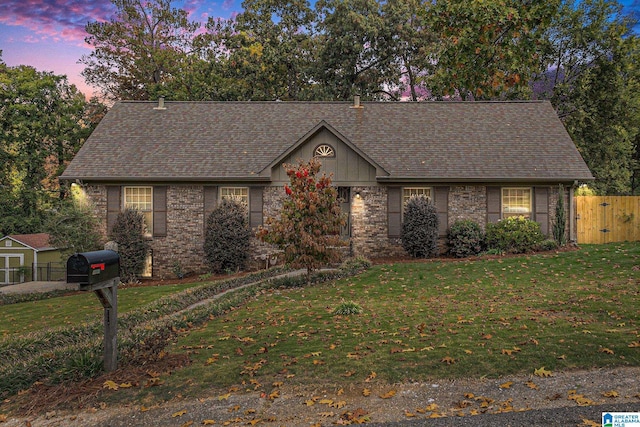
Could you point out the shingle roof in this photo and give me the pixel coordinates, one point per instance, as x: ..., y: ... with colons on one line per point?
x: 454, y: 141
x: 36, y: 241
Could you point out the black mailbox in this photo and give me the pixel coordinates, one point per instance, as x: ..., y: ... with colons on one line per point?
x: 89, y: 268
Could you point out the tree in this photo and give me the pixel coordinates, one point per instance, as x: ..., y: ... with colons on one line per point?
x: 128, y: 233
x: 351, y: 57
x: 142, y: 52
x: 560, y: 221
x: 73, y: 227
x: 227, y: 237
x: 43, y: 123
x: 489, y: 49
x: 592, y: 80
x: 267, y: 49
x: 308, y: 229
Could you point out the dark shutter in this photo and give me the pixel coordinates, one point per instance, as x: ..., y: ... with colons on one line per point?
x: 210, y: 196
x: 160, y: 211
x: 441, y: 200
x: 113, y: 205
x: 255, y: 206
x: 541, y: 210
x: 394, y: 211
x: 494, y: 196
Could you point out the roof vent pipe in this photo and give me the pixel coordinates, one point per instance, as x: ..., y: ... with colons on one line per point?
x: 160, y: 104
x: 356, y: 102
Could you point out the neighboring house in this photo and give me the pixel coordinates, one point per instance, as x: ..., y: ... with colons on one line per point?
x: 175, y: 161
x: 27, y: 257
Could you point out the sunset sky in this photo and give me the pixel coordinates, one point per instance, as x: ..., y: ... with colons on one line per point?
x: 49, y: 34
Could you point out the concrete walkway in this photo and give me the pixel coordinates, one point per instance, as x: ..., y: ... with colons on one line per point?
x: 33, y: 287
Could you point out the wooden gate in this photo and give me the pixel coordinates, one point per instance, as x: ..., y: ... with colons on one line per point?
x: 605, y: 219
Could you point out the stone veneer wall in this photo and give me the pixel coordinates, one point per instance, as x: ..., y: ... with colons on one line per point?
x: 467, y: 202
x: 184, y: 243
x: 369, y: 231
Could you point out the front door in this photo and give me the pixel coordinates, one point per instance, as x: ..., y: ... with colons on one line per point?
x: 10, y: 271
x: 344, y: 196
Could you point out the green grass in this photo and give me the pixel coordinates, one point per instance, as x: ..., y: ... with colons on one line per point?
x: 489, y: 317
x: 31, y: 316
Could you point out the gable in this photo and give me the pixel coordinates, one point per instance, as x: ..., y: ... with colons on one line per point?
x: 346, y: 166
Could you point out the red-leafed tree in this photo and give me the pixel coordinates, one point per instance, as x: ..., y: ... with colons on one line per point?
x: 308, y: 228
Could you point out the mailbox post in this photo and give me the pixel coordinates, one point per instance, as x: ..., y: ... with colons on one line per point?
x: 99, y: 271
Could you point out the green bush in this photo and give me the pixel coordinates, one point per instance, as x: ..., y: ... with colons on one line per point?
x: 133, y: 247
x: 513, y: 235
x: 420, y: 228
x: 226, y: 242
x: 465, y: 238
x: 358, y: 263
x: 547, y: 245
x: 346, y: 308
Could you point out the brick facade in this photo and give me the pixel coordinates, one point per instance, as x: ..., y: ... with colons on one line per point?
x: 184, y: 241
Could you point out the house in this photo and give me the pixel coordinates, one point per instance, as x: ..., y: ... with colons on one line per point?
x: 174, y: 161
x: 28, y: 257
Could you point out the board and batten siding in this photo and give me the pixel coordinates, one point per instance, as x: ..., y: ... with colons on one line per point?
x: 348, y: 167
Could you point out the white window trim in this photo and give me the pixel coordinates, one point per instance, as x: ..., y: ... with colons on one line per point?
x: 527, y: 214
x: 149, y: 231
x: 222, y: 197
x: 421, y: 188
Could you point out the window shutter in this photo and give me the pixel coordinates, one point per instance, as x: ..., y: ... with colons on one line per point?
x: 541, y: 210
x: 160, y: 211
x: 210, y: 201
x: 441, y: 200
x: 494, y: 194
x: 114, y: 205
x: 255, y: 207
x: 394, y: 211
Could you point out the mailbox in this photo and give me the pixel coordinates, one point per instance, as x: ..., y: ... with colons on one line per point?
x: 89, y: 268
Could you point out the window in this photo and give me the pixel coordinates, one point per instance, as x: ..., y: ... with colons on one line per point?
x: 238, y: 194
x: 141, y: 199
x: 516, y: 202
x: 410, y: 192
x: 324, y: 150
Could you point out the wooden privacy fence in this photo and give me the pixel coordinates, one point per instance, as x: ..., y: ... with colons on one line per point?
x: 605, y: 219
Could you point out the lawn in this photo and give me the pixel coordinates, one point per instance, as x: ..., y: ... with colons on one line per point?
x: 75, y: 309
x: 421, y: 320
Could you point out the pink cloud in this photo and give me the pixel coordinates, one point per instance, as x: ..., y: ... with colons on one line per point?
x: 55, y: 19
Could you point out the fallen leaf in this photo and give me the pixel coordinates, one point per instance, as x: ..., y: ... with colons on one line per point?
x: 635, y: 344
x: 144, y: 409
x: 340, y: 392
x: 224, y: 396
x: 3, y: 418
x: 541, y: 372
x: 187, y: 424
x: 448, y: 360
x: 508, y: 384
x: 125, y: 385
x: 366, y: 392
x: 309, y: 402
x: 179, y: 413
x: 327, y: 414
x: 611, y: 393
x: 409, y: 414
x: 339, y: 405
x: 325, y: 401
x: 110, y: 385
x: 388, y: 395
x: 532, y: 385
x: 606, y: 350
x: 208, y: 422
x: 586, y: 422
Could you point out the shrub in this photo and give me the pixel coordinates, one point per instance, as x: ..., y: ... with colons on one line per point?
x: 346, y: 308
x: 420, y: 228
x: 358, y: 263
x: 559, y: 223
x: 465, y: 238
x: 128, y: 233
x: 513, y: 235
x: 226, y: 242
x: 547, y: 245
